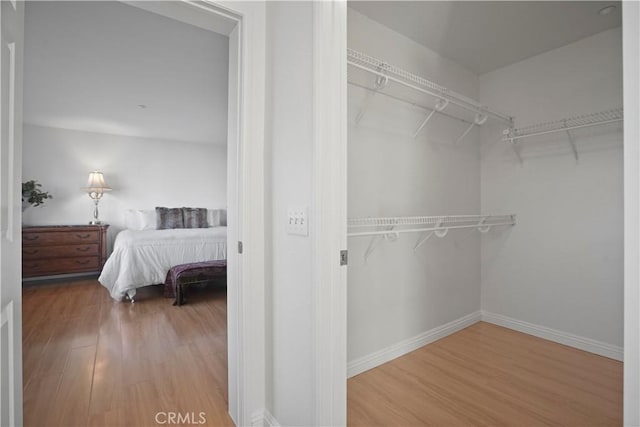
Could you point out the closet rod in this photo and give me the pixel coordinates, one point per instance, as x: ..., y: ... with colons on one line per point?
x: 397, y: 98
x: 384, y: 70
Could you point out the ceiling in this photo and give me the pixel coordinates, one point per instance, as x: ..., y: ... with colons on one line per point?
x: 483, y: 36
x: 112, y: 68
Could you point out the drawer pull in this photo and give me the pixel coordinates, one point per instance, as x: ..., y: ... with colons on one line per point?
x: 31, y: 238
x: 83, y: 236
x: 86, y: 261
x: 83, y: 249
x: 31, y: 252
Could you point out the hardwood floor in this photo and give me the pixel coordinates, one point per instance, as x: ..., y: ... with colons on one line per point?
x: 486, y: 375
x: 91, y: 361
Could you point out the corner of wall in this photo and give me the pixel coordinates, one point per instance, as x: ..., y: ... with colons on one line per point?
x: 264, y: 418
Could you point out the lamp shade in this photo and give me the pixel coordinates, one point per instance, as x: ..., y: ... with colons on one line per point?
x: 96, y: 183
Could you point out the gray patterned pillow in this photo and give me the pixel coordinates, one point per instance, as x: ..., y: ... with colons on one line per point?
x: 195, y: 218
x: 169, y: 218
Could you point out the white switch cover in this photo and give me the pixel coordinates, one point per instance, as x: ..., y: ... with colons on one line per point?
x: 297, y: 222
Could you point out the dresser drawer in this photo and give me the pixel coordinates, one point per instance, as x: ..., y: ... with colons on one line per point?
x: 40, y: 252
x: 60, y: 238
x: 51, y: 250
x: 60, y: 265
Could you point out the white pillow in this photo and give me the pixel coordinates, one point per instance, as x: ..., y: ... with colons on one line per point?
x: 131, y: 220
x: 147, y: 219
x: 216, y: 217
x: 138, y: 219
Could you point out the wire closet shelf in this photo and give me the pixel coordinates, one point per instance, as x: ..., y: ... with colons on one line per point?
x: 361, y: 227
x: 386, y: 72
x: 390, y: 228
x: 567, y: 124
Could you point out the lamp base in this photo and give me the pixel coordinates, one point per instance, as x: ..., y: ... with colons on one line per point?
x: 95, y: 222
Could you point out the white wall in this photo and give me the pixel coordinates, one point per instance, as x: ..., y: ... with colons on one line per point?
x: 143, y: 173
x: 398, y: 294
x: 561, y: 266
x: 290, y: 143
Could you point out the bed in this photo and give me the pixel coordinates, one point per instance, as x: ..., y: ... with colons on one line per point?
x: 143, y: 257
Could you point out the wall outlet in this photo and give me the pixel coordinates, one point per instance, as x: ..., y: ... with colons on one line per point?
x: 297, y: 222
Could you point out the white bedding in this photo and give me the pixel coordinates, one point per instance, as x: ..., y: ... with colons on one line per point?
x: 142, y: 258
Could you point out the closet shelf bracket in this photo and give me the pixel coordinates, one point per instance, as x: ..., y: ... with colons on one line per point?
x: 426, y: 237
x: 381, y: 82
x: 572, y: 142
x: 479, y: 120
x: 389, y: 235
x: 439, y: 107
x: 516, y: 149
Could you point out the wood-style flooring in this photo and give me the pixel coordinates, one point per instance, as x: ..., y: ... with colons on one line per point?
x: 92, y: 361
x: 486, y: 375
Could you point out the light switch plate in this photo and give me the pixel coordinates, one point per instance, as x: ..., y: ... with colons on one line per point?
x: 297, y: 222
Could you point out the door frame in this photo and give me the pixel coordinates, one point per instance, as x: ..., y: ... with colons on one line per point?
x: 246, y: 299
x: 329, y: 224
x: 11, y: 71
x: 631, y: 77
x: 245, y: 25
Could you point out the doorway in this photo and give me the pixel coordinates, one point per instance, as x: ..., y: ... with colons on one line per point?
x: 243, y: 24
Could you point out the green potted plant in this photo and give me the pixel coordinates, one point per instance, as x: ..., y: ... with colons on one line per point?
x: 32, y: 195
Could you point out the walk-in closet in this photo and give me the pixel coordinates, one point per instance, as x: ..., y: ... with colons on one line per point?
x: 485, y: 206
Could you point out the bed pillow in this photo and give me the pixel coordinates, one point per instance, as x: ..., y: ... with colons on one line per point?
x: 137, y: 219
x: 217, y: 217
x: 131, y: 220
x: 147, y: 219
x: 195, y: 218
x: 167, y: 218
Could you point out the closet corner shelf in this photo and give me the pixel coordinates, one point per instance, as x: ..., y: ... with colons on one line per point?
x: 390, y: 228
x: 514, y: 135
x: 386, y: 72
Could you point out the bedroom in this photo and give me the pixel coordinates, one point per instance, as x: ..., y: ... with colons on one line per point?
x: 156, y: 127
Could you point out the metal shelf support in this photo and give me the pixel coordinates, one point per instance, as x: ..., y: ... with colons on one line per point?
x: 572, y: 142
x: 381, y: 83
x: 478, y: 121
x: 439, y: 107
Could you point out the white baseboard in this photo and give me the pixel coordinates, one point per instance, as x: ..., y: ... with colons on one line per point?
x: 582, y: 343
x: 372, y: 360
x: 264, y: 418
x: 269, y: 420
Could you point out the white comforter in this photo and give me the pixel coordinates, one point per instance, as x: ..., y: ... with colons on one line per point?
x: 142, y: 258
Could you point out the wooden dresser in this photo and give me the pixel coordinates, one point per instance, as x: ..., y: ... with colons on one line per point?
x: 64, y: 249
